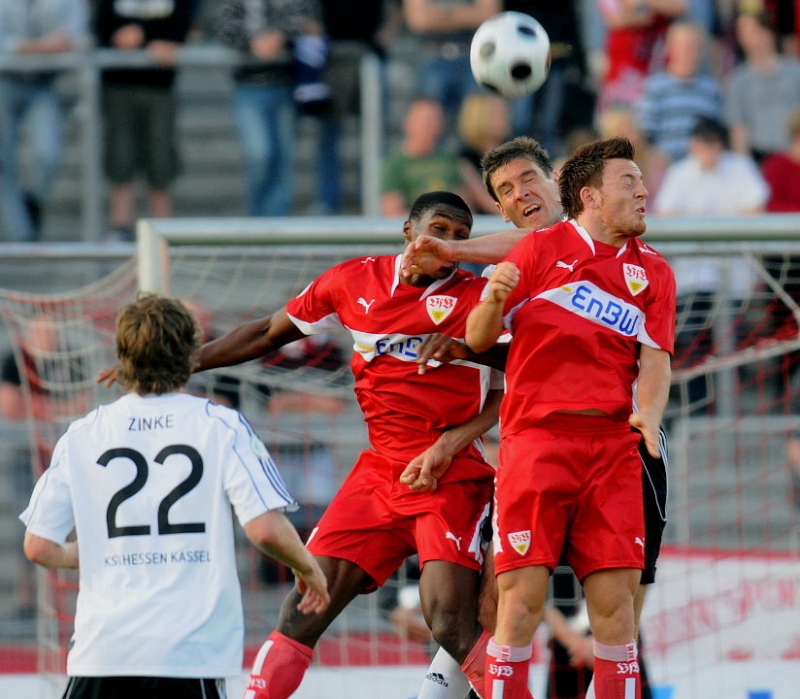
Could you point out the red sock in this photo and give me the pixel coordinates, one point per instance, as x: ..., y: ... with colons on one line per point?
x: 475, y: 664
x: 616, y: 672
x: 278, y: 668
x: 507, y: 671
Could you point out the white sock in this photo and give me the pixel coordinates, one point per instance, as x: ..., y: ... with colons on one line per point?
x: 444, y: 679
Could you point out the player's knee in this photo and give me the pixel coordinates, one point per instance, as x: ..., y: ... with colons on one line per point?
x: 457, y: 634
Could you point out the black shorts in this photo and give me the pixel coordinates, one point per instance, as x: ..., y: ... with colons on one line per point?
x: 150, y: 687
x: 654, y: 492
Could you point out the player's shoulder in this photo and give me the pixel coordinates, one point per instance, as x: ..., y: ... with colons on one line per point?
x: 82, y: 423
x: 465, y: 282
x: 549, y: 233
x: 647, y: 251
x: 649, y: 257
x: 543, y: 237
x: 364, y: 267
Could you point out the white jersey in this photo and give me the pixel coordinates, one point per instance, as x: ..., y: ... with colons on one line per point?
x: 148, y: 483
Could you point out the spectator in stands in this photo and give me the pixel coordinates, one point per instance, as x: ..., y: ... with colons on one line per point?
x: 139, y: 105
x: 711, y: 181
x: 673, y: 99
x: 571, y: 663
x: 398, y: 601
x: 27, y: 392
x: 762, y: 92
x: 445, y: 29
x: 563, y: 101
x: 263, y: 105
x: 19, y: 466
x: 419, y: 165
x: 793, y: 459
x: 355, y: 29
x: 634, y: 45
x: 307, y: 462
x: 33, y: 27
x: 619, y: 119
x: 483, y: 124
x: 782, y: 172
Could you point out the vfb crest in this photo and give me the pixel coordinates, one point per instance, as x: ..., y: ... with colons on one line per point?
x: 439, y: 307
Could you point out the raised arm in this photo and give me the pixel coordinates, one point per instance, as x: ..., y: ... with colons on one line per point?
x: 485, y: 321
x: 652, y: 394
x: 427, y: 254
x: 249, y: 341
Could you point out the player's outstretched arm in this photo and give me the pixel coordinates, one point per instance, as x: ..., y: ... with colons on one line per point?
x: 424, y: 471
x: 444, y: 349
x: 249, y: 341
x: 275, y: 535
x: 242, y: 344
x: 485, y: 321
x: 426, y: 254
x: 652, y: 392
x: 50, y: 554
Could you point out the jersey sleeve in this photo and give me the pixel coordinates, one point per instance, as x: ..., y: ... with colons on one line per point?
x: 251, y: 480
x: 523, y: 256
x: 314, y: 310
x: 49, y: 513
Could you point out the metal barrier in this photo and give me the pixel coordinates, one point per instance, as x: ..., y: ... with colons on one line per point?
x: 87, y: 66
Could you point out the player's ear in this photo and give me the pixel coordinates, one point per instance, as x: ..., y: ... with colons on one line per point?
x: 502, y: 212
x: 408, y: 230
x: 589, y: 197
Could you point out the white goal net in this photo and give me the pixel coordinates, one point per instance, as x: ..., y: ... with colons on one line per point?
x: 721, y: 618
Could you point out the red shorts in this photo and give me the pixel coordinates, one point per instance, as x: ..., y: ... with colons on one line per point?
x: 571, y: 483
x: 376, y: 522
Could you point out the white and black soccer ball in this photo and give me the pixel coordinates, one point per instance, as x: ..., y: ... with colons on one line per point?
x: 510, y: 54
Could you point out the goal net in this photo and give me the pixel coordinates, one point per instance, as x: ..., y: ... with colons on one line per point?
x: 722, y: 613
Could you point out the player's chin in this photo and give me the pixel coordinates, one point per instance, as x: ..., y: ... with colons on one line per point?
x: 638, y: 225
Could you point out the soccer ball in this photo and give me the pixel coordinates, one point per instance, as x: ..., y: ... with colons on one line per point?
x: 510, y: 54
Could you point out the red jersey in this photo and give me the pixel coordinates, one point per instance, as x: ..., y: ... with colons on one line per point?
x: 783, y: 177
x: 405, y: 412
x: 633, y: 48
x: 578, y: 317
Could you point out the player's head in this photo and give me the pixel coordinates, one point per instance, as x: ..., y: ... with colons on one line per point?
x: 602, y: 182
x: 157, y: 343
x: 442, y: 215
x: 519, y: 176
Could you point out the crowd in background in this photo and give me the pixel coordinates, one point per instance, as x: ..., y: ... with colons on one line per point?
x: 649, y: 69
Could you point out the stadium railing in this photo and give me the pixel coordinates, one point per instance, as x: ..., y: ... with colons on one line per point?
x: 87, y: 66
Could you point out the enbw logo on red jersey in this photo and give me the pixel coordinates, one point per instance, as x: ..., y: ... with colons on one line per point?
x: 635, y: 278
x: 439, y: 307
